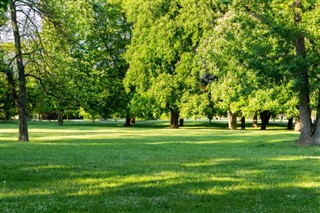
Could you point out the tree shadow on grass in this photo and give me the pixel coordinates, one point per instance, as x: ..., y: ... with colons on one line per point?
x: 160, y: 172
x: 163, y: 190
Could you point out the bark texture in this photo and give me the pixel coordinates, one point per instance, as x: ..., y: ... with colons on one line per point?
x: 303, y: 78
x: 174, y: 120
x: 232, y: 117
x: 60, y: 118
x: 22, y: 95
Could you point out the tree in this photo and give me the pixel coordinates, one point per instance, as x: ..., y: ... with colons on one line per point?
x: 221, y: 55
x: 160, y: 56
x: 21, y: 97
x: 295, y: 26
x: 85, y: 67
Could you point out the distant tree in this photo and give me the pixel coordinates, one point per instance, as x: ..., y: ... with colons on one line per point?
x: 165, y: 37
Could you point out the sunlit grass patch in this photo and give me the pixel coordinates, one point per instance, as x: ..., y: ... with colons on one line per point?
x: 98, y: 168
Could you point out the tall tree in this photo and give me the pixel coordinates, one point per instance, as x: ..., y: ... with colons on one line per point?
x: 165, y: 37
x: 22, y: 95
x: 293, y: 22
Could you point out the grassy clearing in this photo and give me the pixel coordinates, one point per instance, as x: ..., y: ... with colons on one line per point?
x: 84, y: 167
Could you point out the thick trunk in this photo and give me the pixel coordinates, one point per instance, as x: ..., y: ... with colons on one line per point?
x: 243, y: 123
x: 303, y: 78
x: 297, y: 125
x: 318, y: 114
x: 133, y: 120
x: 290, y: 124
x: 174, y: 120
x: 265, y: 117
x: 315, y: 139
x: 60, y: 118
x: 130, y: 120
x: 127, y: 122
x: 255, y: 121
x: 232, y: 117
x: 22, y: 96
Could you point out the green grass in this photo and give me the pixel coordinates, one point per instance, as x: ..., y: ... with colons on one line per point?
x: 103, y: 167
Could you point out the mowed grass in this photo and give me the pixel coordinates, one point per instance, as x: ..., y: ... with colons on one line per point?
x: 83, y: 167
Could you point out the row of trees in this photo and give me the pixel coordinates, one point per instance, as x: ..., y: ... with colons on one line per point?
x: 187, y: 58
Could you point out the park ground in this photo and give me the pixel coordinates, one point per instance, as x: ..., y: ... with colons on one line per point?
x: 106, y: 167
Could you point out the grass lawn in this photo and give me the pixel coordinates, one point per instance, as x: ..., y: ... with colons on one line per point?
x: 85, y: 167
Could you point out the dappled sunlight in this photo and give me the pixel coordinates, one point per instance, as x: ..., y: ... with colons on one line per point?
x: 47, y: 167
x: 8, y: 131
x: 211, y: 162
x: 296, y: 158
x: 80, y: 136
x: 4, y: 193
x: 99, y: 185
x: 310, y: 184
x: 125, y: 168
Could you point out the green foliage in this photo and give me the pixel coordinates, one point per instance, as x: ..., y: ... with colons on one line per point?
x: 3, y: 5
x: 85, y: 67
x: 162, y: 50
x: 7, y: 104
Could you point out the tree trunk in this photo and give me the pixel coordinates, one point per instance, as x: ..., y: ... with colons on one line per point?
x: 255, y: 121
x: 318, y: 113
x: 303, y: 78
x: 128, y: 119
x: 315, y: 139
x: 127, y: 122
x: 22, y: 96
x: 290, y: 124
x: 265, y: 117
x: 133, y: 119
x: 174, y: 120
x: 60, y: 118
x: 243, y: 123
x: 297, y: 125
x: 232, y: 120
x: 181, y: 122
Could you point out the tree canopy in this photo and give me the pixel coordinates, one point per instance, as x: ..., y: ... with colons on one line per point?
x: 183, y: 58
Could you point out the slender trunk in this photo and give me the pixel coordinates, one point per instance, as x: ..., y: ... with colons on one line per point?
x: 174, y: 120
x: 290, y: 124
x: 181, y: 122
x: 128, y: 119
x: 232, y: 120
x: 265, y: 117
x: 22, y: 96
x: 243, y: 123
x: 303, y: 78
x: 255, y: 121
x: 60, y: 118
